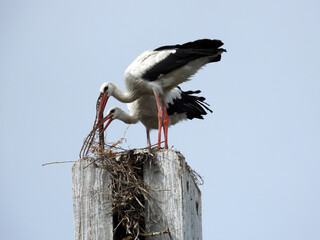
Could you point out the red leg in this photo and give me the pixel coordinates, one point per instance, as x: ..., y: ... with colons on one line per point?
x: 160, y: 116
x: 166, y: 124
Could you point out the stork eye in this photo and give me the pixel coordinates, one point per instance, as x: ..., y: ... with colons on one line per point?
x: 105, y: 89
x: 112, y: 111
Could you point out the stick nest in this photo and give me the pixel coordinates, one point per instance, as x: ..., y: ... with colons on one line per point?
x: 130, y: 195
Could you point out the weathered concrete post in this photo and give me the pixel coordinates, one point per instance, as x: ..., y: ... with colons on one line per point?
x: 175, y: 200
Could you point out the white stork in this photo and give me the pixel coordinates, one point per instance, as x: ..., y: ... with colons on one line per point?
x: 156, y: 72
x: 180, y: 106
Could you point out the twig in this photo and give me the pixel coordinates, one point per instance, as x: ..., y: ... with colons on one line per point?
x: 45, y: 164
x: 155, y: 233
x: 118, y: 225
x: 139, y: 201
x: 152, y: 146
x: 90, y: 163
x: 138, y: 232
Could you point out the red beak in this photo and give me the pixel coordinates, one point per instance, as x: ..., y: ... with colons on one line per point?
x: 101, y: 104
x: 103, y: 99
x: 109, y: 117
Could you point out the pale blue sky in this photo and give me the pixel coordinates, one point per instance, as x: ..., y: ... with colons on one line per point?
x: 258, y: 152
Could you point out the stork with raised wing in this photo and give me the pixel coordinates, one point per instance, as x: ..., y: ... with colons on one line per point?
x: 156, y: 72
x: 179, y: 105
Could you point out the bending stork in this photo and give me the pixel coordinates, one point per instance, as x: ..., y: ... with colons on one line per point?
x: 180, y: 106
x: 156, y: 72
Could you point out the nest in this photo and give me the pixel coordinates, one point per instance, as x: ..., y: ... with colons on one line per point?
x: 130, y: 195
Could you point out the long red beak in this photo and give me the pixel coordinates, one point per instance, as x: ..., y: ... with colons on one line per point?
x: 103, y: 99
x: 100, y: 106
x: 109, y: 117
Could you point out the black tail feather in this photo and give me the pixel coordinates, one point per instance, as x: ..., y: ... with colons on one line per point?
x: 193, y: 106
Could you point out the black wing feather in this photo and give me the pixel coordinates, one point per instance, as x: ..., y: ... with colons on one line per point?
x: 198, y: 44
x: 184, y: 54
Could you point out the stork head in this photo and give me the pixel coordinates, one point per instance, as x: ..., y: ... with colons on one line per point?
x: 106, y: 91
x: 107, y: 88
x: 113, y: 113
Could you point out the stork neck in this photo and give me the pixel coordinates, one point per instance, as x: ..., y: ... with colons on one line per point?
x: 125, y: 97
x: 129, y: 119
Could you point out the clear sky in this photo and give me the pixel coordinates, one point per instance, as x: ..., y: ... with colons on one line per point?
x: 259, y: 152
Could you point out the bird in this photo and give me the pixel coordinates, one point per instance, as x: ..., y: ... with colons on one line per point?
x: 180, y: 105
x: 156, y: 72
